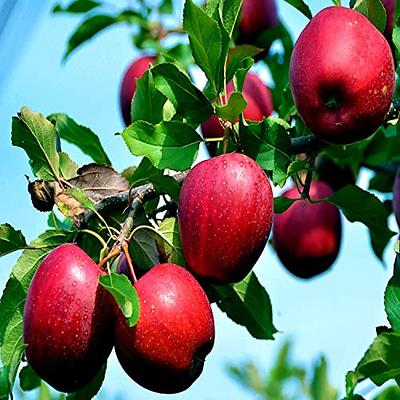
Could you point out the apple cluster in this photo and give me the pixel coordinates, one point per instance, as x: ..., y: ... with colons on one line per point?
x: 342, y: 88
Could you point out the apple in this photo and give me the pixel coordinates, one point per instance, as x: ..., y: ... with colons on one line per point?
x: 307, y: 236
x: 259, y: 105
x: 256, y: 17
x: 165, y: 351
x: 225, y: 217
x: 396, y: 197
x: 342, y: 85
x: 68, y: 319
x: 390, y: 8
x: 128, y: 85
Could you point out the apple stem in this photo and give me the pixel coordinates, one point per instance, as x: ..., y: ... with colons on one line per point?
x: 129, y: 261
x: 227, y: 131
x: 305, y: 194
x: 115, y: 251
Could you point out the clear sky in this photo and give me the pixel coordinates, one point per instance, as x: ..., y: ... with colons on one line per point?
x: 336, y: 313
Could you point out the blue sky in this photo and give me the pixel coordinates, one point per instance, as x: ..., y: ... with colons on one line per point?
x: 335, y: 314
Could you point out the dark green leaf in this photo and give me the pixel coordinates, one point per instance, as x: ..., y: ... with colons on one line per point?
x: 165, y: 184
x: 390, y: 393
x: 124, y: 294
x: 229, y: 12
x: 396, y: 38
x: 148, y: 102
x: 281, y: 204
x: 234, y: 107
x: 37, y: 136
x: 4, y: 383
x: 87, y: 29
x: 188, y: 101
x: 170, y: 241
x: 205, y: 39
x: 142, y: 173
x: 143, y: 249
x: 166, y: 7
x: 247, y: 303
x: 76, y: 6
x: 296, y: 166
x: 382, y: 182
x: 392, y: 297
x: 301, y: 6
x: 28, y: 378
x: 362, y: 206
x: 10, y: 239
x: 92, y: 388
x: 172, y: 144
x: 269, y: 144
x: 380, y: 363
x: 374, y: 11
x: 82, y: 137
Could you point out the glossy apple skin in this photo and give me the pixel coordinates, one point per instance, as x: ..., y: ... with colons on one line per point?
x: 165, y: 351
x: 307, y: 236
x: 225, y: 216
x: 259, y: 105
x: 128, y: 85
x: 257, y: 16
x: 390, y: 7
x: 68, y: 320
x: 342, y: 85
x: 396, y: 197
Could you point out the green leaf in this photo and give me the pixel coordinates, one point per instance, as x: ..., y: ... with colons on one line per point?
x: 166, y: 7
x: 380, y: 363
x: 188, y: 101
x: 269, y: 144
x: 301, y: 6
x: 337, y: 2
x: 87, y: 29
x: 362, y: 206
x: 80, y: 195
x: 148, y: 102
x: 10, y: 239
x: 92, y: 388
x: 37, y: 136
x: 84, y: 138
x: 396, y: 38
x: 142, y: 173
x: 143, y: 249
x: 68, y: 168
x: 205, y: 39
x: 124, y: 294
x: 5, y: 388
x: 374, y: 11
x: 281, y: 204
x: 229, y: 12
x: 247, y: 303
x: 390, y: 393
x: 165, y: 184
x: 392, y: 297
x: 76, y: 7
x: 234, y: 107
x: 28, y: 378
x: 171, y: 144
x: 296, y: 166
x: 57, y: 224
x: 13, y: 298
x: 236, y: 56
x: 321, y: 389
x: 170, y: 241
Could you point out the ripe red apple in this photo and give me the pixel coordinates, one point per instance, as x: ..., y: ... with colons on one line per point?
x: 165, y: 351
x: 128, y: 85
x: 68, y: 323
x: 342, y: 85
x: 259, y: 105
x: 390, y: 7
x: 225, y: 216
x: 307, y: 236
x: 396, y: 197
x: 256, y: 16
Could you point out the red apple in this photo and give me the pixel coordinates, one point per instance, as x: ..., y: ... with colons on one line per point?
x: 68, y: 323
x: 225, y: 216
x: 307, y: 236
x: 259, y: 105
x: 390, y: 8
x: 165, y: 351
x: 257, y: 16
x: 342, y: 85
x: 128, y: 85
x: 396, y: 197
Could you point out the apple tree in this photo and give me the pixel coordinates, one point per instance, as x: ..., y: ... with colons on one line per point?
x: 133, y: 259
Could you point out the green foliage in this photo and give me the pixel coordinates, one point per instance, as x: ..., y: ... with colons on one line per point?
x: 124, y: 294
x: 301, y: 6
x: 10, y: 239
x: 373, y: 10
